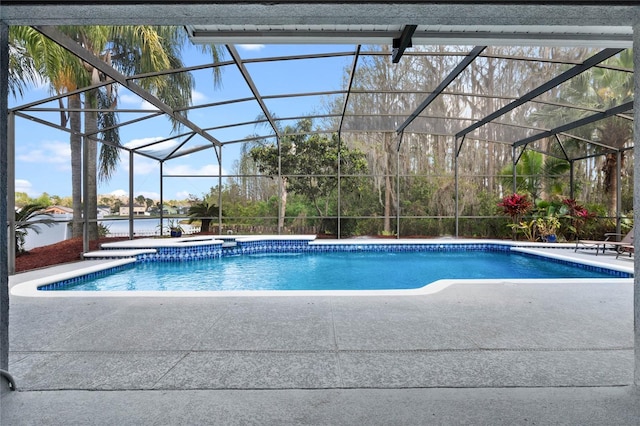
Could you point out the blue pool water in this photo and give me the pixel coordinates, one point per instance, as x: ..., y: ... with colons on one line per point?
x: 332, y: 271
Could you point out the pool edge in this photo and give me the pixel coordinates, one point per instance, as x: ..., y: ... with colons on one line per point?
x: 30, y: 288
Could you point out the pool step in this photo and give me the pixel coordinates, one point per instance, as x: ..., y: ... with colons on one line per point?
x: 117, y: 254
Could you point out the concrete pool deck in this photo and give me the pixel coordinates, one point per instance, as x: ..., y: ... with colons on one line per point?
x: 495, y: 353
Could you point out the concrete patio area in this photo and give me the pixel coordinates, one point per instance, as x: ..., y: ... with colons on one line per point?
x: 496, y: 353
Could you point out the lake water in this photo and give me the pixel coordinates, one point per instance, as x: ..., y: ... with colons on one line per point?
x: 60, y: 231
x: 142, y: 227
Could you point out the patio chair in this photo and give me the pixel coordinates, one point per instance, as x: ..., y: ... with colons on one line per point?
x: 625, y: 249
x: 623, y: 245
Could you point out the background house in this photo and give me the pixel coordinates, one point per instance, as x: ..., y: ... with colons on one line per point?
x: 138, y: 210
x: 59, y: 210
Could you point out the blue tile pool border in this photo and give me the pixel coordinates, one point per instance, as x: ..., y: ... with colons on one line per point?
x: 593, y: 268
x: 207, y: 251
x: 69, y: 282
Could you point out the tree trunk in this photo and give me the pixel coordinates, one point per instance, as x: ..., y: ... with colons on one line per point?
x: 387, y: 204
x: 90, y: 144
x: 283, y: 203
x: 389, y: 186
x: 76, y: 164
x: 610, y: 170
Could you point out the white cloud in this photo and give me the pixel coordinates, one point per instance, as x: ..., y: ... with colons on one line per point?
x: 182, y: 195
x: 130, y: 99
x: 198, y: 97
x: 148, y: 106
x: 23, y: 185
x: 251, y: 46
x: 119, y: 193
x: 49, y: 152
x: 144, y: 166
x: 147, y: 194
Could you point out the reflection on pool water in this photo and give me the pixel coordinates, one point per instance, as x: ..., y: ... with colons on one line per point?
x: 334, y: 271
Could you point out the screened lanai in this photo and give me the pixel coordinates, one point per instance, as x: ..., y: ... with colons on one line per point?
x: 438, y: 125
x: 575, y: 30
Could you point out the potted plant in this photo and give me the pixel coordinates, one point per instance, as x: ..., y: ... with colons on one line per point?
x: 175, y: 230
x: 548, y: 226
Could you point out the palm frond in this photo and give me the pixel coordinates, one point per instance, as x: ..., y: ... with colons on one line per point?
x: 107, y: 121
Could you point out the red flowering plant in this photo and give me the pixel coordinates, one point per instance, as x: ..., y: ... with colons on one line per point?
x: 516, y: 206
x: 578, y: 214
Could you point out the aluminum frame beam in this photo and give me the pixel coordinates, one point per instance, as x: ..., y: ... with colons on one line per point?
x: 33, y: 106
x: 443, y: 85
x: 554, y: 82
x: 579, y: 123
x: 352, y: 75
x: 247, y: 78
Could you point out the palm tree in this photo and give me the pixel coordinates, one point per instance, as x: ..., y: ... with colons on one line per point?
x: 130, y: 50
x: 22, y: 69
x: 64, y: 73
x: 25, y: 222
x: 204, y: 211
x: 535, y: 174
x: 599, y: 88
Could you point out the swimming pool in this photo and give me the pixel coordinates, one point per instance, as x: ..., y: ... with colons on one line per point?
x: 332, y: 270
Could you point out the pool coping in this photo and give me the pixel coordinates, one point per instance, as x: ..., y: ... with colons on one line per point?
x: 29, y: 288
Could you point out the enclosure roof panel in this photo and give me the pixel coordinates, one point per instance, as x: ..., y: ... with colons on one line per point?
x: 501, y: 94
x: 464, y: 94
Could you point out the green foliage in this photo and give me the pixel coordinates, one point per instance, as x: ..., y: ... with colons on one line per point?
x: 204, y: 211
x: 172, y: 226
x: 103, y: 230
x: 44, y: 200
x: 547, y: 225
x: 22, y: 68
x: 25, y: 222
x: 485, y: 227
x: 372, y: 226
x: 535, y: 173
x: 330, y: 226
x: 598, y: 88
x: 526, y: 228
x: 309, y: 164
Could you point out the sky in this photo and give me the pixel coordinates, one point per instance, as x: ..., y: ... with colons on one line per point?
x: 42, y: 157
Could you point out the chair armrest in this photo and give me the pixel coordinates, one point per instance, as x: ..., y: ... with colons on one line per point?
x: 608, y: 235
